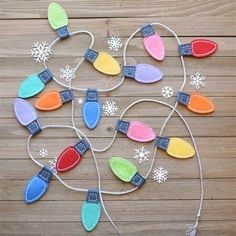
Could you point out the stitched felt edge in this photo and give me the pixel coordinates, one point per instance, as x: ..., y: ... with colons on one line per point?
x: 206, y: 99
x: 69, y: 167
x: 207, y: 53
x: 27, y: 189
x: 98, y: 116
x: 98, y: 216
x: 29, y: 105
x: 36, y: 91
x: 58, y: 105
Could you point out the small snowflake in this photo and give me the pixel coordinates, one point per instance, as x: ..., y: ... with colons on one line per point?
x: 167, y: 92
x: 40, y: 51
x: 52, y: 164
x: 160, y: 175
x: 197, y: 80
x: 109, y: 108
x: 114, y: 44
x: 43, y: 152
x: 67, y: 73
x: 141, y: 154
x: 80, y: 100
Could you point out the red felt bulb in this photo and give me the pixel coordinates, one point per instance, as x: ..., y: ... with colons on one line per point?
x: 203, y: 47
x: 67, y: 160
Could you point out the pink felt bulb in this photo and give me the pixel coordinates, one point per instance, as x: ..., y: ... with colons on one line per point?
x: 136, y: 130
x: 153, y: 43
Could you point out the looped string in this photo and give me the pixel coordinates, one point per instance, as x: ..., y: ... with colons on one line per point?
x: 81, y: 135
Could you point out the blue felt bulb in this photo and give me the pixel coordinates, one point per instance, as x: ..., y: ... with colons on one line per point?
x: 91, y: 210
x: 37, y: 186
x: 91, y: 109
x: 34, y: 84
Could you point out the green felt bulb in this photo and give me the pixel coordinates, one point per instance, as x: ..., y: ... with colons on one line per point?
x: 122, y: 168
x: 57, y: 16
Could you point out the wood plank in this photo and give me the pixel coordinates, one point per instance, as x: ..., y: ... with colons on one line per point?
x: 103, y: 27
x: 218, y: 167
x: 205, y: 228
x: 183, y: 210
x: 19, y: 46
x: 147, y: 108
x: 130, y: 8
x: 209, y: 147
x: 12, y: 190
x: 10, y: 128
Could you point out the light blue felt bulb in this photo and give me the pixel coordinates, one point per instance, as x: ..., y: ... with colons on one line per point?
x: 34, y: 84
x: 91, y: 109
x: 91, y: 210
x: 37, y: 186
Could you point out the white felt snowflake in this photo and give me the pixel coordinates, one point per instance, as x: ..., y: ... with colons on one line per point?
x: 40, y: 51
x: 67, y: 73
x: 52, y: 164
x: 167, y: 92
x: 114, y: 44
x: 197, y: 80
x: 80, y: 100
x: 141, y: 154
x: 43, y: 152
x: 160, y: 175
x: 109, y: 108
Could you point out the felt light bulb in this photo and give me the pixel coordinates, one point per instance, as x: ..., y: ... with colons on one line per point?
x: 91, y: 109
x: 153, y: 42
x: 103, y: 62
x: 34, y: 84
x: 196, y: 102
x: 58, y: 20
x: 37, y: 185
x: 175, y: 147
x: 26, y: 115
x: 143, y: 73
x: 126, y: 171
x: 136, y: 130
x: 198, y: 48
x: 53, y: 100
x: 91, y: 210
x: 71, y: 156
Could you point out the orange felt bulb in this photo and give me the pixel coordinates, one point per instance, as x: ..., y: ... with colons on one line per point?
x: 53, y: 100
x: 196, y: 102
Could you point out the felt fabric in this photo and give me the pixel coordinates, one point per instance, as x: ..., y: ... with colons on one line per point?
x: 31, y: 86
x: 200, y: 104
x: 57, y: 16
x: 68, y: 159
x: 37, y: 186
x: 24, y: 111
x: 91, y: 114
x: 122, y: 168
x: 155, y: 46
x: 146, y: 73
x: 90, y: 215
x: 203, y: 47
x: 107, y: 64
x: 179, y: 148
x: 49, y: 101
x: 140, y: 132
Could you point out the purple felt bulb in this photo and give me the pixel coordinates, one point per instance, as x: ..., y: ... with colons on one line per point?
x: 143, y: 73
x: 26, y: 115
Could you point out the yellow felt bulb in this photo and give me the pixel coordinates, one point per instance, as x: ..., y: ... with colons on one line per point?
x: 175, y: 147
x: 103, y: 62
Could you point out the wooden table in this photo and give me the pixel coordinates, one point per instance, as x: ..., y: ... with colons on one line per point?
x: 155, y: 209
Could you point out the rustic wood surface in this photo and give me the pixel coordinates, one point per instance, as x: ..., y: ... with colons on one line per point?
x: 155, y: 209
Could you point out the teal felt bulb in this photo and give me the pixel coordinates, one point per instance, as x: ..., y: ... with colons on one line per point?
x: 34, y: 84
x: 91, y: 210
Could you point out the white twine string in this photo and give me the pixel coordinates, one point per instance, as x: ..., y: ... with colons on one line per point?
x: 80, y: 134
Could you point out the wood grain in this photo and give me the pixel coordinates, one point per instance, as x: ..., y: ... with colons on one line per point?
x: 155, y: 209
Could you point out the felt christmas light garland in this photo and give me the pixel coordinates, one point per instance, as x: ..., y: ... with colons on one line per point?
x: 71, y: 156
